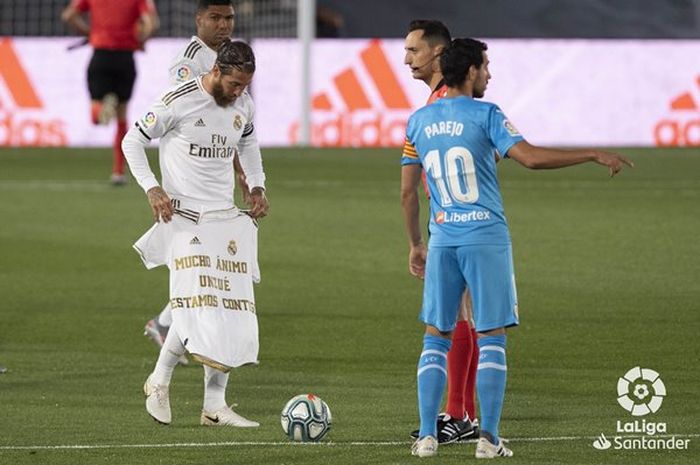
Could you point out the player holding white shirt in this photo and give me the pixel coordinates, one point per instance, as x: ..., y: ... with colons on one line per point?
x: 201, y: 124
x: 213, y: 264
x: 215, y: 22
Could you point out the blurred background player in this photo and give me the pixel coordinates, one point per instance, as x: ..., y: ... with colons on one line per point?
x: 2, y: 369
x: 215, y: 20
x: 424, y: 43
x: 469, y: 242
x: 115, y: 30
x: 196, y: 187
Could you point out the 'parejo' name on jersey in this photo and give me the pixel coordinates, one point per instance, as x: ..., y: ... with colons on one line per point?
x: 218, y: 148
x: 447, y: 128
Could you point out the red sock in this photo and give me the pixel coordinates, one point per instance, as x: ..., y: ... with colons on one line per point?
x: 118, y: 158
x: 470, y: 386
x: 457, y: 367
x: 95, y: 109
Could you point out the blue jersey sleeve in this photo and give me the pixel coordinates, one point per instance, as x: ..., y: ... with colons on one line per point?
x: 501, y: 131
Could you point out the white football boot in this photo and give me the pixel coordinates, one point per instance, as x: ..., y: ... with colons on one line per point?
x: 226, y: 417
x: 486, y: 450
x: 157, y: 402
x: 425, y: 447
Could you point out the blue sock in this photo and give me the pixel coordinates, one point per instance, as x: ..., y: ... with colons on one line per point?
x: 491, y: 382
x: 432, y: 377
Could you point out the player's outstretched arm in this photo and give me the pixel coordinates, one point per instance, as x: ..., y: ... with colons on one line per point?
x: 410, y: 178
x: 537, y: 158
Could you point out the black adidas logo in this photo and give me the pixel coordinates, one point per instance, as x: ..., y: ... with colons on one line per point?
x: 195, y: 241
x: 199, y: 123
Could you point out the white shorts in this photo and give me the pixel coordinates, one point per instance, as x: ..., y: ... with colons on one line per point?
x: 213, y: 264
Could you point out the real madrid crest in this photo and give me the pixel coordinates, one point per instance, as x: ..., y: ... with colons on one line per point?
x: 237, y: 123
x: 232, y: 247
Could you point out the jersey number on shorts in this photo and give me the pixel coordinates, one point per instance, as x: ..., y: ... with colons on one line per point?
x: 461, y: 186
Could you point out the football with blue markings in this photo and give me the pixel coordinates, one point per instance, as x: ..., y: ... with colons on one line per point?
x: 306, y: 418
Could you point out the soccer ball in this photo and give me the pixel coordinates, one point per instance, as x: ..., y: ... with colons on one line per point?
x: 306, y: 418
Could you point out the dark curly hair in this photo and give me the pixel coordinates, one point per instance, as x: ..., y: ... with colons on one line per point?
x: 235, y: 55
x: 456, y: 60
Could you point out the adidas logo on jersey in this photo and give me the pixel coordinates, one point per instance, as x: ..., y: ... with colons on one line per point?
x: 199, y: 123
x: 195, y: 241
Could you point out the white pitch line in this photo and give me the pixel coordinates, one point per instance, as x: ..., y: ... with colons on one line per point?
x: 297, y: 444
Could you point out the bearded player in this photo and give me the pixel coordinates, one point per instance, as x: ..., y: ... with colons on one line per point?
x: 207, y: 243
x: 214, y: 20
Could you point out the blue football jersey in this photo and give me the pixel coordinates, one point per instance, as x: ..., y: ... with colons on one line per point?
x: 456, y: 140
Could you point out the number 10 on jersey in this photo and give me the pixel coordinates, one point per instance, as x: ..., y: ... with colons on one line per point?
x: 458, y: 184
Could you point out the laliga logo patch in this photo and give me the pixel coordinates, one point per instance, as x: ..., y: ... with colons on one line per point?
x: 183, y: 73
x: 640, y: 391
x: 237, y: 123
x: 232, y: 247
x: 149, y: 119
x: 440, y: 217
x: 510, y: 128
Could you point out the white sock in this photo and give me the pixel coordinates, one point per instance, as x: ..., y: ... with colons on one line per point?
x: 215, y: 383
x: 170, y: 353
x: 165, y: 318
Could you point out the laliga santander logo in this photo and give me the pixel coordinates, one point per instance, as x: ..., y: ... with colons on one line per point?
x: 354, y: 119
x: 641, y: 391
x: 19, y: 123
x: 682, y: 129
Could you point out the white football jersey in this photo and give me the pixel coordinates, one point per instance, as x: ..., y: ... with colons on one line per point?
x: 198, y: 140
x: 195, y: 59
x: 213, y: 264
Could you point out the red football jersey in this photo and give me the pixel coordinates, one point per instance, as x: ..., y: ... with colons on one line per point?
x: 113, y: 23
x: 438, y: 93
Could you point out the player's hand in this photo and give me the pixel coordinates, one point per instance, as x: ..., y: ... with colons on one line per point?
x: 416, y: 260
x: 613, y: 161
x: 247, y: 198
x: 160, y: 204
x: 258, y: 202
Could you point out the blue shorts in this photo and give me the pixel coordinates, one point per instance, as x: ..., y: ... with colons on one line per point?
x: 487, y: 270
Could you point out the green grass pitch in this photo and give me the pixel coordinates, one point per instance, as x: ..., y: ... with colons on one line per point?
x: 608, y: 279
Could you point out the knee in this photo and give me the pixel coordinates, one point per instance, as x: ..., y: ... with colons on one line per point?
x: 493, y: 332
x: 433, y: 331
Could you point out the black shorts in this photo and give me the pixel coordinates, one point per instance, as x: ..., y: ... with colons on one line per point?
x: 111, y: 71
